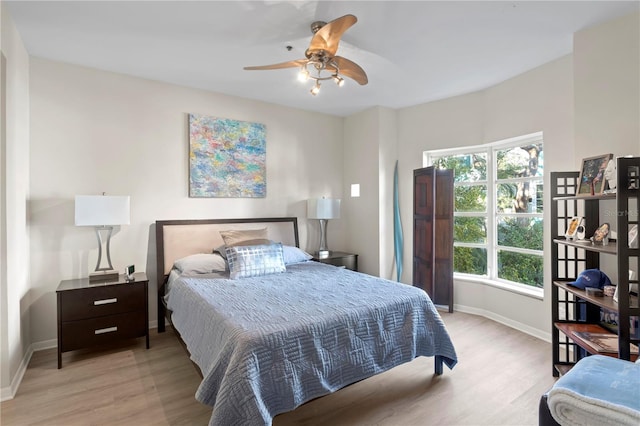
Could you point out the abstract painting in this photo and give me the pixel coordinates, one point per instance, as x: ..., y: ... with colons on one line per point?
x: 227, y: 158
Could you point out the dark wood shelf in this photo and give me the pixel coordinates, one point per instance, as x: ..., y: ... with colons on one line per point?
x: 610, y: 248
x: 606, y: 302
x: 586, y: 197
x: 570, y: 328
x: 563, y: 368
x: 572, y: 310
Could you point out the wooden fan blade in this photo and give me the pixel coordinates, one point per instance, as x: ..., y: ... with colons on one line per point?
x: 289, y: 64
x: 351, y: 69
x: 328, y: 37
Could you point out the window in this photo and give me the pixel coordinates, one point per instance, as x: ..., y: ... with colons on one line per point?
x: 498, y: 229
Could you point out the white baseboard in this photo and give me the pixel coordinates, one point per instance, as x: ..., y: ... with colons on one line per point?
x: 45, y: 344
x: 506, y: 321
x: 9, y: 392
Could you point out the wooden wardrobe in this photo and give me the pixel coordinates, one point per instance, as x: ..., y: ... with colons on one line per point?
x: 433, y: 205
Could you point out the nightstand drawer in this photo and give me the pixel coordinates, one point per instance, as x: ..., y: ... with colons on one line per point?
x: 101, y: 301
x: 95, y: 331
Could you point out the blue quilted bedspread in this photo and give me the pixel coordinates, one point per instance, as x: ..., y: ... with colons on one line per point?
x: 267, y: 344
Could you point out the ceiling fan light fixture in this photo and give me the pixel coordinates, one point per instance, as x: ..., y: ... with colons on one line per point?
x: 303, y: 75
x: 321, y: 55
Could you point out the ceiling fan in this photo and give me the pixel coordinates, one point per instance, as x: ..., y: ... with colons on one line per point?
x: 321, y: 56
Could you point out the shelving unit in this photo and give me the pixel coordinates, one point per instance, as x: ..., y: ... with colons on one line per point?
x: 573, y: 310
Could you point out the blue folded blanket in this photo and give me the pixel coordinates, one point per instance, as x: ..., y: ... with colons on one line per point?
x: 598, y: 390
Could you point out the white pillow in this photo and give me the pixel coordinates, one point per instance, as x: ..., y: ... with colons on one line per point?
x: 201, y: 263
x: 255, y: 261
x: 295, y: 255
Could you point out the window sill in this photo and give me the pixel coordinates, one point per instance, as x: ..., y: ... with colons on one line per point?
x: 533, y: 292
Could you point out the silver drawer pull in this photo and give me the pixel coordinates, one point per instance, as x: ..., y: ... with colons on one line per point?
x: 106, y: 330
x: 105, y: 301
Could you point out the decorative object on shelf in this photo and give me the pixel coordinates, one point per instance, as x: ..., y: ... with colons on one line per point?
x: 633, y: 288
x: 594, y: 292
x: 594, y: 278
x: 323, y: 209
x: 227, y: 158
x: 580, y: 232
x: 609, y: 290
x: 321, y: 56
x: 601, y: 235
x: 592, y: 180
x: 611, y: 177
x: 103, y: 212
x: 572, y: 229
x: 609, y: 321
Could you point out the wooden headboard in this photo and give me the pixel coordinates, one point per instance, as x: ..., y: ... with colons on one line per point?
x: 176, y: 239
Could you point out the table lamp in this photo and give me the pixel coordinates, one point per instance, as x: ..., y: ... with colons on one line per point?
x: 102, y: 212
x: 323, y: 209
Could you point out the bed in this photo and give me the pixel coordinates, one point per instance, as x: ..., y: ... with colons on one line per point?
x: 266, y: 343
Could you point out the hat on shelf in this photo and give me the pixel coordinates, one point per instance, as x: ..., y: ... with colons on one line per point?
x: 591, y: 278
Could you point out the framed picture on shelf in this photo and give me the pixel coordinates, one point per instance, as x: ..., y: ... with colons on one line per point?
x: 592, y: 180
x: 572, y: 229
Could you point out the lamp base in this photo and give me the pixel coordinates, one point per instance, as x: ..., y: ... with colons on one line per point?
x: 102, y: 276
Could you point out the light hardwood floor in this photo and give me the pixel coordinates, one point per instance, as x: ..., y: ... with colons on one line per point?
x: 500, y: 376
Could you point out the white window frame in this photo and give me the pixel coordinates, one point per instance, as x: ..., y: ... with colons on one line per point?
x: 491, y: 214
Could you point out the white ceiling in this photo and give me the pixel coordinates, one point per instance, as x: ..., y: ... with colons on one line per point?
x: 413, y: 51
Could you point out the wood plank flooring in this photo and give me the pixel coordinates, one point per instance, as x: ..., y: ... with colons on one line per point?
x: 499, y: 378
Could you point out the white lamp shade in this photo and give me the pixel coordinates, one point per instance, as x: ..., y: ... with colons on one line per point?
x: 102, y: 210
x: 323, y: 208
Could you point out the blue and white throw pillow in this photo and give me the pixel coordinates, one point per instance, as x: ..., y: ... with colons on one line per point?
x: 254, y: 261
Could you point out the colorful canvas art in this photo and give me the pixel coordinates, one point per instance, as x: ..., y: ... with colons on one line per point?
x: 227, y: 158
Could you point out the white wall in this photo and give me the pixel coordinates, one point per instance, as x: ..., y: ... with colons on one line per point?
x: 370, y: 152
x: 15, y: 294
x: 388, y: 154
x: 361, y: 162
x: 607, y: 105
x: 94, y: 131
x: 607, y: 82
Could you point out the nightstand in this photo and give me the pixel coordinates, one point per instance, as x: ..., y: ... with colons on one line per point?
x: 91, y: 314
x: 339, y: 258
